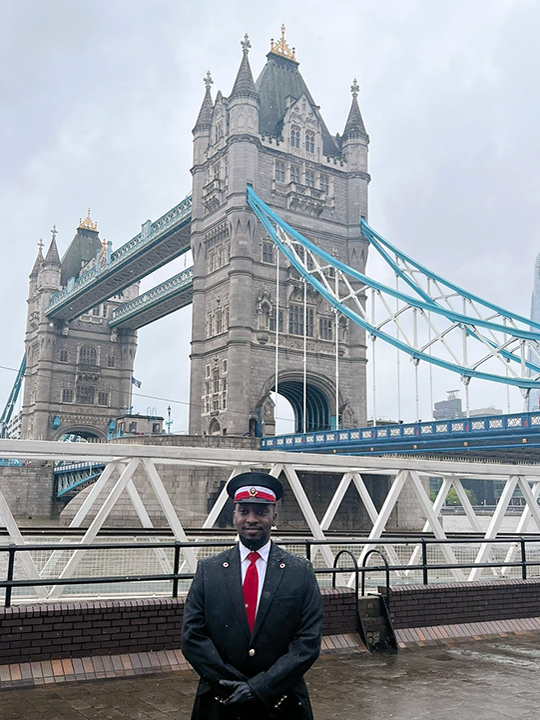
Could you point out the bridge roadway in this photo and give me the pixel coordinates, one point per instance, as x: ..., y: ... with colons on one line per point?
x: 476, y: 680
x: 499, y: 438
x: 172, y: 295
x: 157, y: 244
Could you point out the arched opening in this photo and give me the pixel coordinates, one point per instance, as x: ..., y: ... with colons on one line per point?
x: 214, y: 427
x: 318, y: 412
x: 79, y: 436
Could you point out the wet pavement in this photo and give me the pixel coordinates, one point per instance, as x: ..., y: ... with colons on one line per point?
x: 479, y: 680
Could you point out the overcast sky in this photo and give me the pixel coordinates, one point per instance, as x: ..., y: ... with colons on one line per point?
x: 98, y: 99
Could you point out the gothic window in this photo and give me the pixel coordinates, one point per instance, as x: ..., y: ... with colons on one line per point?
x: 105, y: 309
x: 310, y: 141
x: 207, y: 388
x: 111, y: 361
x: 324, y: 184
x: 88, y: 355
x: 224, y: 401
x: 295, y: 136
x: 216, y: 171
x: 310, y: 317
x: 219, y: 130
x: 219, y: 322
x: 268, y: 252
x: 103, y: 398
x: 216, y: 381
x: 85, y: 394
x: 296, y: 320
x: 207, y: 371
x: 325, y: 328
x: 225, y: 367
x: 214, y: 428
x: 210, y: 325
x: 295, y: 174
x: 310, y: 178
x: 63, y: 355
x: 67, y: 395
x: 207, y: 404
x: 226, y: 316
x: 224, y: 384
x: 96, y: 312
x: 272, y: 324
x: 279, y: 172
x: 215, y: 402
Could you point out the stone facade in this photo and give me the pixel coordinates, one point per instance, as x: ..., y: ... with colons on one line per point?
x: 270, y: 134
x: 78, y: 373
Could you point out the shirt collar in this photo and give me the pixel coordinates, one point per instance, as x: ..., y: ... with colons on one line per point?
x: 264, y: 552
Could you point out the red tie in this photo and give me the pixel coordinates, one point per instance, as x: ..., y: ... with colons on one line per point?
x: 251, y: 587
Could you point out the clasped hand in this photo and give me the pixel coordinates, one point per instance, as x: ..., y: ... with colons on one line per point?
x: 241, y: 693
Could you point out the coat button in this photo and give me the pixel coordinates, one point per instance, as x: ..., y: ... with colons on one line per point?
x: 251, y: 652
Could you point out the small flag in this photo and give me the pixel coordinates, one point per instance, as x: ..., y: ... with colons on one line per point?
x: 135, y: 382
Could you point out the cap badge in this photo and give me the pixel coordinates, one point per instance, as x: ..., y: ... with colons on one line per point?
x: 253, y: 492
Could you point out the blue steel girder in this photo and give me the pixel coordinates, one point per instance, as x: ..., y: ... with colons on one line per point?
x: 467, y: 343
x: 172, y: 295
x: 519, y: 432
x: 74, y: 476
x: 157, y: 244
x: 12, y: 400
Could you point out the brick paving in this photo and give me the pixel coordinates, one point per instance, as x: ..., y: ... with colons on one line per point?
x: 492, y: 679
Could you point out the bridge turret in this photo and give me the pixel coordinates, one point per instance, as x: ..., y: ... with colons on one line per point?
x: 49, y: 272
x: 203, y: 126
x: 354, y: 145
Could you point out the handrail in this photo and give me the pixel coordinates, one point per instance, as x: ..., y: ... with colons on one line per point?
x: 9, y: 583
x: 364, y: 560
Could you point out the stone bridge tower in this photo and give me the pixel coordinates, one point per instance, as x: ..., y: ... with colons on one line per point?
x: 270, y: 133
x: 78, y: 373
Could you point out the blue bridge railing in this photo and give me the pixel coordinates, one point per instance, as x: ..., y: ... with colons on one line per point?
x: 387, y: 438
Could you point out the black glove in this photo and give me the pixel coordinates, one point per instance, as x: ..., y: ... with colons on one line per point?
x: 241, y: 693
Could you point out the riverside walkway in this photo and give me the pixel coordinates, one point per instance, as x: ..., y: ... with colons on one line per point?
x: 475, y: 680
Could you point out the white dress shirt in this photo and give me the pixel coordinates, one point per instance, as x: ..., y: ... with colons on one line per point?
x: 261, y: 565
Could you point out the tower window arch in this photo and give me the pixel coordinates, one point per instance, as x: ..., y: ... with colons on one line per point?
x: 310, y: 141
x: 295, y: 136
x: 88, y: 355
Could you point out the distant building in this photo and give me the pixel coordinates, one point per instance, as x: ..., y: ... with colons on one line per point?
x: 451, y: 408
x: 129, y: 424
x: 533, y: 402
x: 448, y: 409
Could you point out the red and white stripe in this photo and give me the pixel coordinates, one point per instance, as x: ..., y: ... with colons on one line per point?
x: 254, y: 492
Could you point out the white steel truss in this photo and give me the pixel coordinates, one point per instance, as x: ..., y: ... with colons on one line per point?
x: 121, y: 462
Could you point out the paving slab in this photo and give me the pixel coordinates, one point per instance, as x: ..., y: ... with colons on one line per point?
x: 478, y: 680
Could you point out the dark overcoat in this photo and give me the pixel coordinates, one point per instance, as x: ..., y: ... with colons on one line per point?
x: 284, y: 644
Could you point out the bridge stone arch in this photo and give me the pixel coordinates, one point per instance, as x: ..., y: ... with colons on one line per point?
x: 87, y: 432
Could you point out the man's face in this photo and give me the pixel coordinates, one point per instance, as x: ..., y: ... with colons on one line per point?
x: 253, y: 522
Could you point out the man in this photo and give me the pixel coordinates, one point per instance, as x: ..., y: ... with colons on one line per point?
x: 253, y: 617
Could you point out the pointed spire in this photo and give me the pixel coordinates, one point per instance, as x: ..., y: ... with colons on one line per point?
x: 244, y: 85
x: 354, y: 125
x: 39, y: 260
x: 53, y: 256
x: 204, y: 118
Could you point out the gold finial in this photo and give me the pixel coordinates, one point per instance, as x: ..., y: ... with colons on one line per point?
x: 355, y: 88
x: 54, y: 232
x: 207, y: 79
x: 281, y: 48
x: 88, y: 223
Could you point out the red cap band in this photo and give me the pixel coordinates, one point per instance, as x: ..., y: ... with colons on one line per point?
x: 254, y: 492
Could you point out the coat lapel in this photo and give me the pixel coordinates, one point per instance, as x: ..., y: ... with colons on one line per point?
x: 233, y: 580
x: 274, y: 574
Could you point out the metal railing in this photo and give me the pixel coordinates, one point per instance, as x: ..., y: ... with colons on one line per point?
x: 493, y: 425
x: 174, y: 577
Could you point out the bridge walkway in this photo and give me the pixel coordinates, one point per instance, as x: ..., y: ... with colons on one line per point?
x: 474, y: 680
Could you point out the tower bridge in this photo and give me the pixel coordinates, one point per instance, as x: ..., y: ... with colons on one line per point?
x: 276, y: 223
